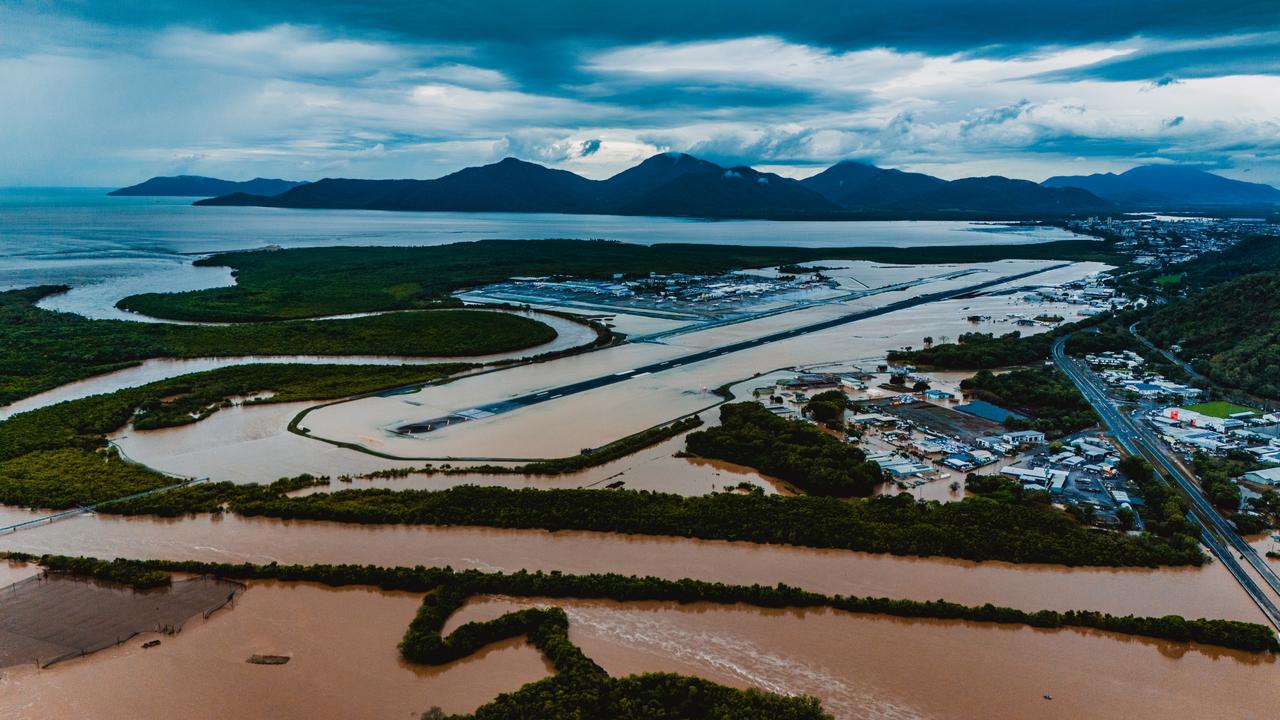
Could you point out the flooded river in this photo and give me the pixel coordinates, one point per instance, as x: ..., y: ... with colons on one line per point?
x: 877, y: 667
x: 858, y: 666
x: 1193, y: 592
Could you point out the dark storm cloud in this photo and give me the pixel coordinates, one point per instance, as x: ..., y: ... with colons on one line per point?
x: 933, y: 25
x: 1248, y: 55
x: 89, y: 89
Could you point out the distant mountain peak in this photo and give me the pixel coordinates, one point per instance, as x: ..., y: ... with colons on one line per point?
x: 676, y: 183
x: 200, y: 186
x: 1170, y: 186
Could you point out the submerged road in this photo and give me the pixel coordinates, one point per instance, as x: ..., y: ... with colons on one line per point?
x: 503, y: 406
x: 1214, y: 529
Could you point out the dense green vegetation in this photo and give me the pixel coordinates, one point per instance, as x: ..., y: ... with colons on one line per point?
x: 976, y: 351
x: 311, y: 282
x: 1003, y: 489
x: 70, y: 477
x: 56, y: 457
x: 975, y: 528
x: 828, y: 408
x: 40, y: 349
x: 1230, y: 333
x: 1215, y: 475
x: 125, y: 572
x: 1163, y: 510
x: 1110, y: 336
x: 1253, y: 255
x: 792, y: 450
x: 208, y: 497
x: 1264, y: 513
x: 1056, y: 406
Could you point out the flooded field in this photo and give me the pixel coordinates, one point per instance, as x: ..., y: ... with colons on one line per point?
x: 52, y: 619
x: 859, y: 666
x: 343, y: 664
x: 1193, y: 592
x: 563, y: 427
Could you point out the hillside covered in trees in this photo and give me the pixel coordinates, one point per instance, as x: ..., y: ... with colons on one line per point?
x: 1230, y: 332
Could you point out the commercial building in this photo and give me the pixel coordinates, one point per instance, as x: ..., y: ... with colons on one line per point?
x: 1269, y: 476
x: 1024, y: 437
x: 1191, y: 418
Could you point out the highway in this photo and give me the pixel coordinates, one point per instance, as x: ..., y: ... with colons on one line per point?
x: 514, y: 403
x: 1214, y: 529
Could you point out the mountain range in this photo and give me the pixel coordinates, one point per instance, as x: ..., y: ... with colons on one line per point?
x: 676, y: 184
x: 1170, y: 186
x: 200, y: 186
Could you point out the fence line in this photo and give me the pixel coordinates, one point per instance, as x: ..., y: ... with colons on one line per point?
x: 165, y: 629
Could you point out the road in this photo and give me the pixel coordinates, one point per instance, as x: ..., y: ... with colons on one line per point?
x: 1137, y: 439
x: 82, y: 509
x: 514, y: 403
x: 1186, y: 366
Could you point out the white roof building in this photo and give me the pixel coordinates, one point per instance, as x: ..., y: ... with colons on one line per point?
x: 1269, y: 476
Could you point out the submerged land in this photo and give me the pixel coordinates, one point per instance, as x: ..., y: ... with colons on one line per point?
x: 624, y: 475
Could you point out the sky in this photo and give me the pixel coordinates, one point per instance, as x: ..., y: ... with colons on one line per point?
x: 110, y: 93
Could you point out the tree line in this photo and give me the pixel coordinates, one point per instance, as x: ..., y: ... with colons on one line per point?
x: 446, y: 590
x: 313, y: 282
x: 791, y: 450
x: 974, y: 528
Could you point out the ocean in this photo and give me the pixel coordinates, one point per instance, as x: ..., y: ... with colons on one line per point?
x: 108, y: 247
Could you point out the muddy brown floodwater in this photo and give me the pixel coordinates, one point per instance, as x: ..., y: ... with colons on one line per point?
x: 863, y: 666
x: 47, y: 620
x: 343, y: 664
x: 1194, y: 592
x: 859, y: 666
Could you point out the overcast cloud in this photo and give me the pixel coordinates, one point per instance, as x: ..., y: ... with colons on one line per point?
x: 107, y: 93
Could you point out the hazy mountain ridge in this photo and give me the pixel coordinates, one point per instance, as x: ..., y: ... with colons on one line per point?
x: 201, y: 186
x: 677, y: 184
x: 1169, y: 186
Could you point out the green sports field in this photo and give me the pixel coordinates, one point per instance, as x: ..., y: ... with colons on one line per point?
x: 1220, y: 409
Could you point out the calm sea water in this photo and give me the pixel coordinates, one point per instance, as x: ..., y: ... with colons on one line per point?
x: 109, y: 247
